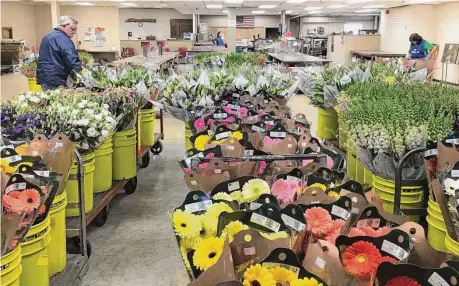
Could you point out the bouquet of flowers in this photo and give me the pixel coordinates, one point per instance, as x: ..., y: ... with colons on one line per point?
x: 87, y: 60
x: 29, y: 70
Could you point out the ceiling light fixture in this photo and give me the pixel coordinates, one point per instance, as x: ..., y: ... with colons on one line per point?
x: 296, y: 1
x: 129, y: 4
x: 288, y: 12
x: 313, y: 8
x: 337, y: 6
x: 225, y: 11
x: 365, y: 11
x: 267, y: 6
x: 84, y: 3
x: 315, y: 12
x: 357, y: 1
x: 234, y: 1
x: 258, y: 12
x: 373, y: 6
x: 214, y: 6
x: 118, y: 0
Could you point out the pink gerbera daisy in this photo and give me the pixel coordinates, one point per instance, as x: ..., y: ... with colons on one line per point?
x: 30, y: 199
x: 318, y: 220
x: 356, y: 232
x: 284, y: 190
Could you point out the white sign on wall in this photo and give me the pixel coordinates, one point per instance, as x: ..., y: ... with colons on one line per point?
x: 231, y: 23
x: 396, y: 20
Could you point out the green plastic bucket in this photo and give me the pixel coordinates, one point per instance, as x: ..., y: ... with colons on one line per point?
x: 351, y: 162
x: 188, y: 134
x: 147, y: 126
x: 34, y: 251
x: 327, y: 123
x: 103, y: 166
x: 57, y: 250
x: 451, y: 245
x: 73, y: 197
x: 11, y: 267
x: 124, y: 155
x: 411, y: 198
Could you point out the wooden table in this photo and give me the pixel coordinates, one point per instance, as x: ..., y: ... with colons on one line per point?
x: 298, y: 59
x: 377, y: 54
x: 159, y: 60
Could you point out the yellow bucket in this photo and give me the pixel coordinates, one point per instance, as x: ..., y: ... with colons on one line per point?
x: 35, y: 255
x: 188, y: 134
x: 451, y: 245
x: 411, y: 197
x: 359, y: 172
x: 11, y: 267
x: 327, y: 123
x: 147, y: 126
x: 57, y: 250
x: 351, y: 162
x: 367, y: 176
x: 124, y: 155
x: 73, y: 197
x: 33, y: 86
x: 342, y: 135
x: 436, y: 228
x: 103, y: 167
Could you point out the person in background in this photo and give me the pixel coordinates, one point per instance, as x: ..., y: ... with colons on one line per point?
x: 219, y: 39
x: 57, y: 56
x: 420, y: 48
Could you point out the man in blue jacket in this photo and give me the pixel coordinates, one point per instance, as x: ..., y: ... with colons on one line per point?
x: 57, y: 55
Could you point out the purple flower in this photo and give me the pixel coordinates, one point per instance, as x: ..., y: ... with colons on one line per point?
x: 31, y: 115
x: 21, y: 118
x: 18, y: 129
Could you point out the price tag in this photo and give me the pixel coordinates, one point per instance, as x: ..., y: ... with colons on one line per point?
x: 223, y: 135
x: 339, y: 211
x: 12, y: 159
x: 254, y: 206
x: 34, y: 152
x: 7, y: 146
x: 248, y: 152
x: 436, y: 280
x: 198, y: 206
x: 218, y: 171
x: 289, y: 145
x: 294, y: 269
x: 394, y: 250
x: 257, y: 129
x: 454, y: 141
x: 236, y: 95
x: 303, y: 144
x: 270, y: 122
x: 249, y: 251
x: 430, y: 152
x: 305, y: 162
x: 188, y: 160
x: 27, y: 176
x: 234, y: 107
x: 234, y: 186
x: 265, y: 101
x: 293, y: 178
x: 59, y: 144
x: 277, y: 134
x: 254, y: 117
x: 194, y: 183
x: 314, y: 202
x: 15, y: 187
x: 371, y: 222
x: 42, y: 173
x: 220, y: 115
x: 320, y: 263
x: 318, y: 150
x: 229, y: 147
x: 293, y: 223
x: 265, y: 221
x: 454, y: 173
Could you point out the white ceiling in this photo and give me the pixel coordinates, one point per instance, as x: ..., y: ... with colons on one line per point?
x: 246, y: 7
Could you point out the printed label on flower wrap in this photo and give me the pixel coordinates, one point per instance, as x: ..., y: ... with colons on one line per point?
x: 320, y: 263
x: 254, y: 206
x: 7, y: 146
x: 431, y: 152
x: 436, y: 280
x: 12, y: 159
x: 270, y: 122
x: 355, y: 210
x: 188, y: 160
x: 371, y: 222
x: 454, y: 173
x: 234, y: 106
x: 249, y: 251
x: 454, y: 141
x: 59, y: 144
x: 219, y: 115
x: 293, y: 179
x: 230, y: 147
x: 236, y: 95
x: 339, y: 211
x: 293, y: 223
x: 248, y: 152
x: 277, y: 134
x: 265, y: 221
x: 234, y: 186
x: 294, y: 269
x: 15, y: 187
x: 198, y: 206
x: 42, y: 173
x: 223, y: 135
x: 394, y: 250
x: 257, y: 128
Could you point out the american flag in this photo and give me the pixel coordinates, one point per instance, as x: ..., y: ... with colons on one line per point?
x: 245, y: 21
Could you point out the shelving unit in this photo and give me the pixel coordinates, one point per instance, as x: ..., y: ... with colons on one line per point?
x: 316, y: 46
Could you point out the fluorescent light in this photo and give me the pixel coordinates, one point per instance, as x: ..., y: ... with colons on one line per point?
x: 357, y: 1
x: 373, y: 6
x: 84, y: 4
x: 337, y: 6
x: 118, y: 0
x: 267, y: 6
x: 365, y: 11
x: 128, y: 4
x: 313, y: 8
x: 234, y: 1
x: 225, y: 11
x: 288, y: 12
x: 315, y: 12
x: 296, y: 1
x: 258, y: 12
x: 214, y: 6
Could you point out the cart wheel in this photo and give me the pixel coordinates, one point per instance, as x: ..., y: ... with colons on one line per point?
x: 145, y: 160
x: 131, y: 185
x: 157, y: 148
x: 101, y: 217
x: 73, y: 246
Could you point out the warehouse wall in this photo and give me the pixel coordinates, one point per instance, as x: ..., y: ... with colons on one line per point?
x: 334, y: 24
x: 268, y: 21
x: 20, y: 17
x: 160, y: 29
x: 439, y: 24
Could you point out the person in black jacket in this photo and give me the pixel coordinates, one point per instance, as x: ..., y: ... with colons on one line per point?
x: 57, y: 55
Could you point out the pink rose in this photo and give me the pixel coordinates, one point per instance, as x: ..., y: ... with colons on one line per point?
x: 199, y: 124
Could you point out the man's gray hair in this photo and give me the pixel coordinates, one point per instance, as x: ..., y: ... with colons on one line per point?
x: 64, y: 20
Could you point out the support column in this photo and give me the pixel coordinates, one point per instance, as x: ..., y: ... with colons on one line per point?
x: 195, y: 24
x: 231, y: 33
x: 283, y: 23
x: 55, y: 13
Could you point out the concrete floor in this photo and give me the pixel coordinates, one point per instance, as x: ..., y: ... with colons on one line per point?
x: 137, y: 245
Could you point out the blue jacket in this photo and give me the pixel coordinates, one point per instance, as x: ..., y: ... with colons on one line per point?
x: 57, y: 58
x: 220, y: 41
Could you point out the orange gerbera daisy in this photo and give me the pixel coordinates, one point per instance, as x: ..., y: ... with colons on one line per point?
x: 356, y: 232
x: 382, y: 231
x: 361, y: 259
x: 318, y: 220
x: 402, y: 281
x: 12, y: 203
x: 42, y: 209
x: 30, y: 199
x: 388, y: 259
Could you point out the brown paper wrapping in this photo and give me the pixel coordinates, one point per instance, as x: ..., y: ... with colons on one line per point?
x: 198, y: 182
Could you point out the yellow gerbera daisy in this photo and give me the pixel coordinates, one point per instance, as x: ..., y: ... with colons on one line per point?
x: 305, y: 282
x: 318, y: 185
x: 253, y: 189
x: 21, y: 148
x: 333, y: 194
x: 210, y: 218
x: 275, y: 235
x: 236, y: 196
x: 232, y: 229
x: 208, y: 252
x: 201, y: 141
x: 238, y: 135
x: 222, y: 196
x: 209, y: 226
x: 6, y: 167
x: 282, y: 275
x: 183, y: 252
x: 257, y: 275
x: 190, y: 242
x: 186, y: 224
x: 216, y: 209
